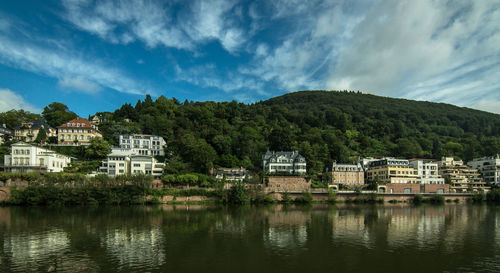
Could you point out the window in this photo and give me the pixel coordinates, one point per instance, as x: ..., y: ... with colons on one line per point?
x: 137, y: 165
x: 89, y: 137
x: 81, y: 137
x: 121, y: 164
x: 407, y: 190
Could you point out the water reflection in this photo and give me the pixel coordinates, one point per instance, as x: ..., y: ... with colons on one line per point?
x: 131, y: 247
x: 294, y: 238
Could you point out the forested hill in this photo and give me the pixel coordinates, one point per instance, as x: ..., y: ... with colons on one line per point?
x: 323, y: 125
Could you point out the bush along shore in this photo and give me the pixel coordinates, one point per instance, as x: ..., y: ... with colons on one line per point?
x: 77, y: 189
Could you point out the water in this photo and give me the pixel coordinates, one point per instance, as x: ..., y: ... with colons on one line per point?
x: 451, y: 238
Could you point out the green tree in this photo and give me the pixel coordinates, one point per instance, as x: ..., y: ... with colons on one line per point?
x: 98, y: 149
x: 57, y: 113
x: 41, y: 136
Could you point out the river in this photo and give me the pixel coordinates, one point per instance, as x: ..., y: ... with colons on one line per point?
x: 318, y: 238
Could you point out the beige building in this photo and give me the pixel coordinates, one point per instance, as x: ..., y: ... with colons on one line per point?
x: 392, y: 170
x: 77, y: 131
x: 460, y: 177
x: 28, y: 131
x: 427, y: 170
x: 28, y: 158
x: 348, y: 174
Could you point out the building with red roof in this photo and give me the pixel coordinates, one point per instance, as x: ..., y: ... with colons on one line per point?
x: 77, y: 131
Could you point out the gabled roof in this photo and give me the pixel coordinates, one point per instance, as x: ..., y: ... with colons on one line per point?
x: 290, y: 155
x: 34, y: 124
x: 77, y: 123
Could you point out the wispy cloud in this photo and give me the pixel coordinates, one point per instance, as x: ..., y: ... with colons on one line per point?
x: 11, y: 100
x: 72, y: 69
x: 156, y: 23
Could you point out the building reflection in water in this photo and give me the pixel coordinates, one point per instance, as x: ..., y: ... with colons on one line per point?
x: 44, y: 251
x: 287, y: 230
x: 349, y: 228
x: 132, y: 247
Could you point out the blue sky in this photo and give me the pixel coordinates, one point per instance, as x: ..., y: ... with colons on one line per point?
x: 97, y: 55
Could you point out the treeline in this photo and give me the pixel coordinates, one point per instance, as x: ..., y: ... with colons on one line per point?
x: 324, y: 126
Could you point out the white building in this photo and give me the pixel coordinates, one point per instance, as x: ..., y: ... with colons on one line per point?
x: 232, y: 174
x: 284, y: 162
x: 488, y: 166
x: 427, y: 171
x: 28, y: 158
x: 127, y: 161
x: 143, y: 144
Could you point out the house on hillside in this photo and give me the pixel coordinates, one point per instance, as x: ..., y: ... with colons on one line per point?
x: 25, y: 157
x: 232, y: 174
x: 284, y: 162
x: 126, y: 161
x: 28, y: 131
x: 77, y: 131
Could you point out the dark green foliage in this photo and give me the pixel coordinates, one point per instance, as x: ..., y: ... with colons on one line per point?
x: 306, y: 198
x: 14, y: 118
x: 98, y: 149
x: 285, y: 197
x: 436, y: 199
x: 479, y: 197
x: 332, y: 196
x: 238, y: 195
x: 417, y: 199
x: 41, y: 136
x: 493, y: 196
x: 57, y: 114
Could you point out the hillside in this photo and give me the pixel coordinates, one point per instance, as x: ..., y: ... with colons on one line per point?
x: 323, y: 125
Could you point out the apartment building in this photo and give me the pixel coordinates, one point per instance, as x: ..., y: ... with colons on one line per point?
x: 460, y: 177
x: 126, y: 161
x: 232, y: 174
x: 488, y: 166
x: 392, y: 170
x: 25, y: 157
x: 348, y: 174
x: 427, y: 171
x: 77, y: 131
x: 143, y: 144
x: 284, y: 162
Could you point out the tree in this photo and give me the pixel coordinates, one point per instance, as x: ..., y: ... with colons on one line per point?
x: 98, y: 149
x: 41, y: 136
x: 57, y: 113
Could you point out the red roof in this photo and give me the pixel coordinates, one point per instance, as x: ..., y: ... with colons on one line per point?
x: 77, y: 123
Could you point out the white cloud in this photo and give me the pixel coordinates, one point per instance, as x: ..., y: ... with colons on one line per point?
x: 428, y: 50
x: 79, y: 83
x: 70, y: 68
x: 10, y: 100
x: 488, y: 105
x: 155, y: 23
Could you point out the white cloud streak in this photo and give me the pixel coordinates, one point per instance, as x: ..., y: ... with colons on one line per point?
x: 71, y: 69
x: 10, y: 100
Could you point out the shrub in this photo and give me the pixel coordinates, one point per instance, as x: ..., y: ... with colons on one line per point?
x: 417, y: 199
x: 493, y: 196
x: 306, y: 198
x: 332, y: 196
x: 285, y: 197
x: 478, y: 197
x: 437, y: 199
x: 238, y: 195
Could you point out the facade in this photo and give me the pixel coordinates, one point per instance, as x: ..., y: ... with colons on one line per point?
x: 348, y: 174
x: 460, y: 177
x: 28, y: 158
x: 77, y: 131
x: 428, y: 171
x: 392, y: 170
x: 28, y: 131
x: 489, y: 167
x: 125, y: 161
x: 232, y: 174
x: 143, y: 144
x: 284, y: 162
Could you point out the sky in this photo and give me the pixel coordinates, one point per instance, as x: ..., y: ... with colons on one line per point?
x: 97, y: 55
